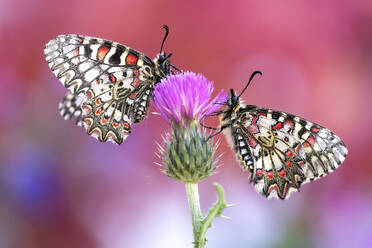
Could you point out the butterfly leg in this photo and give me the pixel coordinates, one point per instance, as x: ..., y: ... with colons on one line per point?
x: 213, y: 128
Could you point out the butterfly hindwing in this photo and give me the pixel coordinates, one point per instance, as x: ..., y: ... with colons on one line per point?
x: 283, y: 151
x: 115, y: 82
x: 70, y: 108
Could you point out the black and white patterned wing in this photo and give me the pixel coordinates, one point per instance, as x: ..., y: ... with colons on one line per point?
x: 114, y: 81
x: 70, y: 108
x: 283, y: 151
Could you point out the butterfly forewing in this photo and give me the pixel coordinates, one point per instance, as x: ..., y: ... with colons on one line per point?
x: 283, y: 151
x: 114, y: 81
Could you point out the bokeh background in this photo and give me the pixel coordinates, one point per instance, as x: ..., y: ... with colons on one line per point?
x: 61, y: 188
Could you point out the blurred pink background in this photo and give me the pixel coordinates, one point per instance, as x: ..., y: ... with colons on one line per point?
x: 61, y: 188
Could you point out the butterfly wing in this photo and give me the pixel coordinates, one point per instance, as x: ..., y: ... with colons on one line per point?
x: 70, y: 108
x: 113, y: 80
x: 283, y: 151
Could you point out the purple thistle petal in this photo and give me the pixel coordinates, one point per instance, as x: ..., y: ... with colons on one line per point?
x: 185, y: 97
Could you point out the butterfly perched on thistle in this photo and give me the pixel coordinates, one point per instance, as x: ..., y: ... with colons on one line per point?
x: 280, y: 150
x: 110, y: 84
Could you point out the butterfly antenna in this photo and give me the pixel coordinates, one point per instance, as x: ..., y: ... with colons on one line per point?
x: 252, y: 76
x: 179, y: 70
x: 215, y: 134
x: 217, y: 113
x: 165, y: 37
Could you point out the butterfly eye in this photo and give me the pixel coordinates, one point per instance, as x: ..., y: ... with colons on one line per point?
x: 161, y: 58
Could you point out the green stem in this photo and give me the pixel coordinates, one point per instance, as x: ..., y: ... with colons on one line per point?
x: 196, y: 215
x: 214, y: 211
x: 200, y: 225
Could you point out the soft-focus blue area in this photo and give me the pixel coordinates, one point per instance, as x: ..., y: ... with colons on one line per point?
x: 34, y: 180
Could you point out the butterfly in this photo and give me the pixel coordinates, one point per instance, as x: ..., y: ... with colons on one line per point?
x: 281, y: 151
x: 110, y: 84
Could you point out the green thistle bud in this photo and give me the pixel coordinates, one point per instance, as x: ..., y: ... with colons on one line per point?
x: 188, y: 155
x: 183, y: 100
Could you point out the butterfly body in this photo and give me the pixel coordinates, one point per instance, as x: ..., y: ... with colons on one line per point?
x: 115, y: 82
x: 280, y: 150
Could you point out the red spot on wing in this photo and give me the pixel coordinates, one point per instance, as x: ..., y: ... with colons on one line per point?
x: 311, y: 140
x: 102, y: 51
x: 270, y: 174
x: 314, y: 129
x: 282, y: 173
x: 301, y: 163
x: 262, y: 114
x: 297, y: 149
x: 289, y: 164
x: 278, y: 125
x: 98, y: 111
x: 255, y: 119
x: 133, y: 95
x: 131, y: 59
x: 115, y: 124
x: 76, y: 51
x: 289, y: 123
x: 136, y: 83
x: 135, y: 73
x: 90, y: 94
x: 289, y: 153
x: 258, y: 173
x: 98, y: 101
x: 126, y: 125
x: 253, y: 129
x: 99, y: 81
x: 252, y: 142
x: 103, y: 120
x: 112, y: 78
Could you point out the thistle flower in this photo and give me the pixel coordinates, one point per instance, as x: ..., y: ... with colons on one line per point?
x: 188, y: 155
x: 185, y: 97
x: 183, y: 100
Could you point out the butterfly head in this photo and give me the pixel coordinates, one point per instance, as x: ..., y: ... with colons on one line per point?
x: 233, y: 99
x: 233, y: 104
x: 162, y: 65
